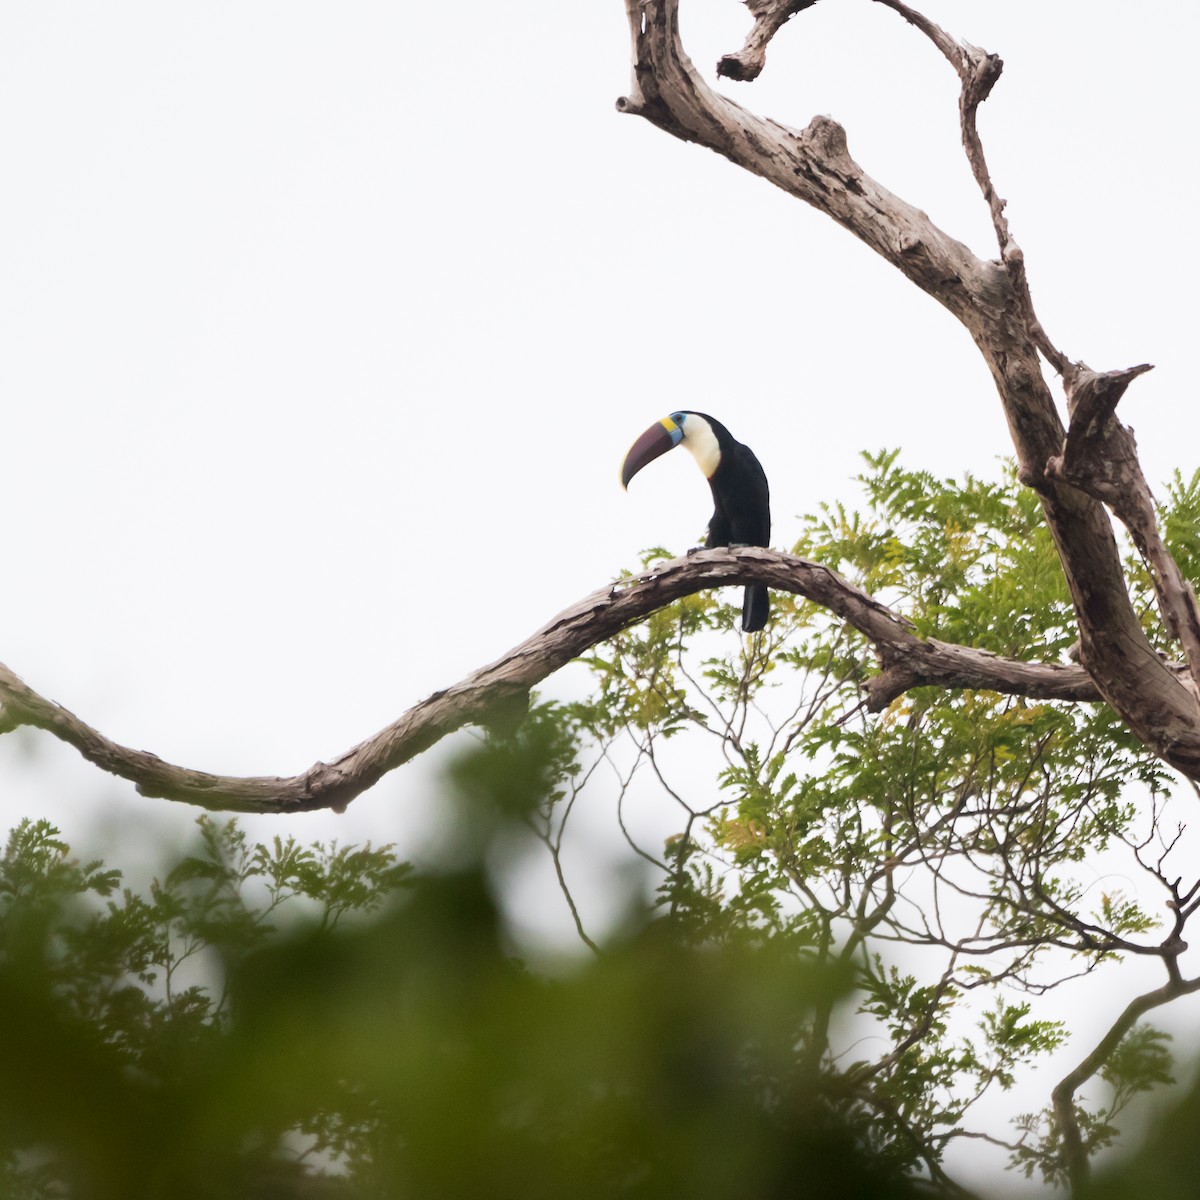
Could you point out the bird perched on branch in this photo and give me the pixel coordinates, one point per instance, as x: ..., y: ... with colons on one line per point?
x: 739, y: 487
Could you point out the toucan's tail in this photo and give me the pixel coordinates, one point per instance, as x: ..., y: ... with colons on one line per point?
x: 755, y: 607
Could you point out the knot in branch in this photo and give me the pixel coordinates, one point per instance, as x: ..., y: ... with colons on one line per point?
x: 828, y: 139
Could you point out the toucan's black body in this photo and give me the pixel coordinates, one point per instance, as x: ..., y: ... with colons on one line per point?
x: 742, y: 514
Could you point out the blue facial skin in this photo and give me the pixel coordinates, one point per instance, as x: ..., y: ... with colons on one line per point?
x: 677, y: 433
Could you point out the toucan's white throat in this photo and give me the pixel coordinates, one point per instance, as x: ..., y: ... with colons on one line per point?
x: 699, y: 438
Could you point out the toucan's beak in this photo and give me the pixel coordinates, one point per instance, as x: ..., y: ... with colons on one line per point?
x: 654, y: 443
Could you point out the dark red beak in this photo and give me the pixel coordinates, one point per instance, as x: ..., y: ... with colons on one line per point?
x: 654, y: 443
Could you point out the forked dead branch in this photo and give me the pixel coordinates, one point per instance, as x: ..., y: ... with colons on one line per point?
x: 910, y: 661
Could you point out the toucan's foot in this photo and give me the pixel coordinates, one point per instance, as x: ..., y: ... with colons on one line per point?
x: 695, y: 550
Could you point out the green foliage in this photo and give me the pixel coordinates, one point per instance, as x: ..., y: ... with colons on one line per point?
x: 361, y: 1029
x: 964, y: 825
x: 113, y: 1006
x: 968, y: 561
x: 1180, y: 521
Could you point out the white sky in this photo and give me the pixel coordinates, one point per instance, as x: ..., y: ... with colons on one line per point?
x: 323, y: 332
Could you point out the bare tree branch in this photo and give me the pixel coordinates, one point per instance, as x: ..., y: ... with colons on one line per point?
x: 477, y: 698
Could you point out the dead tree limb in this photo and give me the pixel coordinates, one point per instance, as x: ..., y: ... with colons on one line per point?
x: 908, y: 661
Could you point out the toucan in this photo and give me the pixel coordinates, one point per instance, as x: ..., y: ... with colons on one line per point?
x: 738, y: 482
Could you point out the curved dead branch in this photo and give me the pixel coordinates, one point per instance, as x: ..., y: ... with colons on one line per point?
x: 991, y: 300
x: 908, y: 661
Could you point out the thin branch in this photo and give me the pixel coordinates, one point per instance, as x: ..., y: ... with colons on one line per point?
x: 1074, y: 1150
x: 645, y: 753
x: 978, y: 70
x: 556, y: 858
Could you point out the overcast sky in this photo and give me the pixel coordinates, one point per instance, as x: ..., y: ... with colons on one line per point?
x: 324, y: 329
